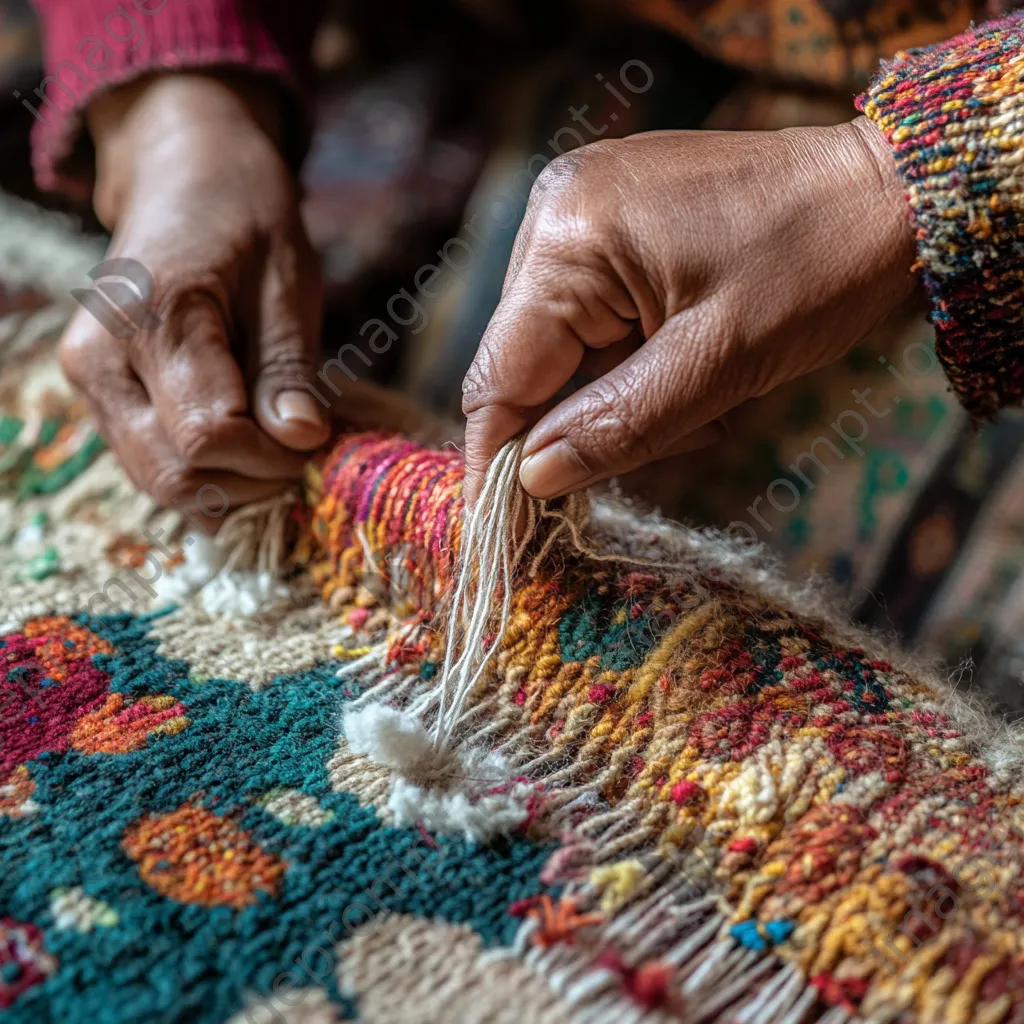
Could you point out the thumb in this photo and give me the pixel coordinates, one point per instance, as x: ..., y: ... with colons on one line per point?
x: 649, y: 407
x: 284, y: 402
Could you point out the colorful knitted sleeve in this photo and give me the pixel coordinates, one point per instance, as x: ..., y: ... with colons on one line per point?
x: 91, y: 45
x: 954, y: 117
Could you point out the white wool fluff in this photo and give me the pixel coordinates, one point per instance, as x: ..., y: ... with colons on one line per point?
x: 241, y: 594
x: 455, y: 813
x: 222, y: 592
x: 203, y: 560
x: 392, y: 738
x: 473, y: 795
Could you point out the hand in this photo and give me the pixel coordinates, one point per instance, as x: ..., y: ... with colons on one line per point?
x: 701, y: 269
x: 191, y: 182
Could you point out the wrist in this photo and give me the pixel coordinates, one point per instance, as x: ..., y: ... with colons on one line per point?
x: 157, y: 118
x: 890, y: 210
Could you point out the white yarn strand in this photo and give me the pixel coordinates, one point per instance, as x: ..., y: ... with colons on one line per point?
x: 486, y: 562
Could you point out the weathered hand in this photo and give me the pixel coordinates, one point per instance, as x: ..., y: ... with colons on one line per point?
x: 194, y: 188
x: 701, y: 269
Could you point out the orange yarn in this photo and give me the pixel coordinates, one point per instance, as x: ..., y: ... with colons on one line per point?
x: 194, y: 856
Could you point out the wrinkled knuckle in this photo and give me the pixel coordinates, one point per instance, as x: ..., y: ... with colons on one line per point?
x: 185, y: 298
x: 614, y: 432
x: 183, y: 288
x: 563, y: 175
x: 195, y: 433
x: 569, y: 208
x: 477, y: 385
x: 552, y: 229
x: 574, y: 173
x: 284, y: 361
x: 167, y: 482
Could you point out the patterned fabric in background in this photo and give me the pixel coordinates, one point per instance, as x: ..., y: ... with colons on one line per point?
x: 898, y: 500
x: 836, y: 43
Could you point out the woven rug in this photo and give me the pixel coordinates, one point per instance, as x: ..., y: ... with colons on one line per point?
x: 682, y: 792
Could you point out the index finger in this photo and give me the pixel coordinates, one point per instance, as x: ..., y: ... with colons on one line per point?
x: 524, y: 358
x: 544, y: 324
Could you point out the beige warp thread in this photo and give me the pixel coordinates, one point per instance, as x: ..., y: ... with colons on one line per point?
x: 503, y: 525
x: 486, y: 562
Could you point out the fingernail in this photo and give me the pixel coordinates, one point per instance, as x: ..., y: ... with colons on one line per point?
x: 297, y: 406
x: 556, y: 469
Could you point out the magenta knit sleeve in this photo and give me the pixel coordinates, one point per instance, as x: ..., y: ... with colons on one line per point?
x: 954, y: 117
x: 91, y: 45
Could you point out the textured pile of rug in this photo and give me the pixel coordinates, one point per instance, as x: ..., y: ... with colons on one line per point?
x: 681, y: 791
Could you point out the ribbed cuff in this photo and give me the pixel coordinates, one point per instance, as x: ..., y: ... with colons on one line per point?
x: 95, y: 44
x: 954, y: 117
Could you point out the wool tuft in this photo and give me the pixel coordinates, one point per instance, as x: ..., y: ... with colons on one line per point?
x: 392, y: 738
x: 467, y: 793
x: 242, y: 594
x: 486, y: 810
x: 222, y: 591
